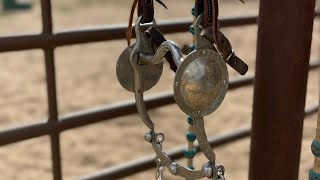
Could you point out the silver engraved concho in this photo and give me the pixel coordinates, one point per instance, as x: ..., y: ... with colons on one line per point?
x: 201, y: 83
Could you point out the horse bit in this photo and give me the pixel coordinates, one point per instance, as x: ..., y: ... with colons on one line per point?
x: 200, y: 84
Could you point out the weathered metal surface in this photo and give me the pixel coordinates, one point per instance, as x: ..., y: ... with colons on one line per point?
x: 284, y: 41
x: 201, y: 83
x: 125, y: 74
x: 142, y: 59
x: 48, y: 40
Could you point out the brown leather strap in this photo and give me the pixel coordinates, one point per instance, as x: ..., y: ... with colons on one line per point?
x: 210, y: 10
x: 157, y: 39
x: 204, y: 6
x: 129, y: 29
x: 146, y: 10
x: 225, y: 48
x: 237, y: 64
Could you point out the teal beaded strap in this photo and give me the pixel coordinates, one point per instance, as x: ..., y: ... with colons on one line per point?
x: 192, y: 30
x: 190, y: 167
x: 190, y: 154
x: 191, y: 136
x: 190, y: 120
x: 193, y: 11
x: 313, y: 175
x: 315, y: 148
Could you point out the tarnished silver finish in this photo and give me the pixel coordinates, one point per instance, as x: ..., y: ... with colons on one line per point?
x: 125, y: 74
x: 161, y: 51
x: 160, y: 138
x: 148, y: 137
x: 202, y: 139
x: 159, y: 172
x: 166, y: 161
x: 201, y: 83
x: 140, y: 71
x: 220, y: 172
x: 207, y: 169
x: 173, y: 168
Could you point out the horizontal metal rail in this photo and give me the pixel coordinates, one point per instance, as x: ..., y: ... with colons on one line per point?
x: 143, y: 164
x: 97, y: 34
x: 106, y: 113
x: 106, y: 33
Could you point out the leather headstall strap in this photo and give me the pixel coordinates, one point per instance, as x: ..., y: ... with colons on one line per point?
x: 146, y: 10
x: 210, y: 10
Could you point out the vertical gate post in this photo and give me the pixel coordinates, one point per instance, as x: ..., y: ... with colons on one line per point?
x: 283, y: 51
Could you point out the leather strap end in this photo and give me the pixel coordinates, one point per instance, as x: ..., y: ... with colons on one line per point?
x: 237, y: 64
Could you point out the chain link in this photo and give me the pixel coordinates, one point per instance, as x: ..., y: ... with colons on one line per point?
x: 160, y: 168
x: 159, y: 172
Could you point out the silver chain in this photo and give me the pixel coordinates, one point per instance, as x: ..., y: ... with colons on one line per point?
x: 159, y: 172
x: 160, y: 168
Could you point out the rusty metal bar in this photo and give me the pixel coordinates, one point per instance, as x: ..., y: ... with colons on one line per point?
x: 47, y: 30
x: 283, y: 51
x: 140, y: 165
x: 106, y: 113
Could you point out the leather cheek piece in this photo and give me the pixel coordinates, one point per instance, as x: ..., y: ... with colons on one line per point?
x: 206, y: 7
x: 211, y: 11
x: 146, y: 8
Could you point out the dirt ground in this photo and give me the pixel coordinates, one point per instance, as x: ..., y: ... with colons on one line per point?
x: 86, y: 79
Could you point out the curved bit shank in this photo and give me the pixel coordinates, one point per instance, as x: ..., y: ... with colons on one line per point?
x: 139, y: 74
x: 161, y: 52
x: 202, y: 139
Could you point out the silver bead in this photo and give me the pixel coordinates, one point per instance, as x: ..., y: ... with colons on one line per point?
x: 207, y: 170
x: 173, y: 168
x: 148, y: 137
x: 160, y: 137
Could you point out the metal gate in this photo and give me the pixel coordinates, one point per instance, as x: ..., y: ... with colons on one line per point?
x: 48, y: 41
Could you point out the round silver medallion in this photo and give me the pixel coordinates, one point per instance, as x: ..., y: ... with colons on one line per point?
x: 125, y: 75
x: 201, y: 83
